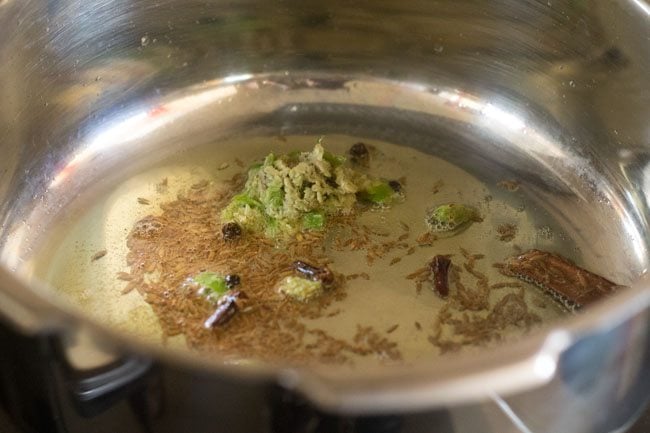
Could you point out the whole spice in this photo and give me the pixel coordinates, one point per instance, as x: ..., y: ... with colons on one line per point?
x: 314, y: 273
x: 231, y: 231
x: 440, y: 269
x: 359, y: 153
x: 451, y: 217
x: 506, y: 232
x: 565, y: 282
x: 98, y: 255
x: 301, y: 289
x: 212, y: 286
x: 226, y: 309
x: 395, y: 185
x: 232, y: 280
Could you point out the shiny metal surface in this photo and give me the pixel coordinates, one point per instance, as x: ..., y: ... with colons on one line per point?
x: 554, y: 92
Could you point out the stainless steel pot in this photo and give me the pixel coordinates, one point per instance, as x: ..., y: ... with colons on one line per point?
x: 556, y: 92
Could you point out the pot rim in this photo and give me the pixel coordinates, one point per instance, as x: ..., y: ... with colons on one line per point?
x: 454, y: 378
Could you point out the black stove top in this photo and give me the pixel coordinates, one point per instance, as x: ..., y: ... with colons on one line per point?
x: 37, y: 397
x: 642, y: 425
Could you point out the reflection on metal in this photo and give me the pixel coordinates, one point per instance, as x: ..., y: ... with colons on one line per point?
x: 237, y: 78
x: 142, y: 124
x: 498, y: 118
x: 545, y: 366
x: 508, y: 412
x: 503, y: 118
x: 628, y: 217
x: 642, y: 5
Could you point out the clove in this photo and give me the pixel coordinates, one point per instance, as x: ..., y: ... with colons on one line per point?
x: 226, y: 309
x: 314, y: 273
x: 440, y: 269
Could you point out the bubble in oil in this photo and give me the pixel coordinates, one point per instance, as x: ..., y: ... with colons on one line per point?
x: 545, y: 232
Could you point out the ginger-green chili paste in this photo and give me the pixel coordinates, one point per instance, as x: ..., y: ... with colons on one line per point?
x: 299, y: 190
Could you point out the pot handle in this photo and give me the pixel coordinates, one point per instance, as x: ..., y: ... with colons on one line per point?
x: 95, y: 391
x: 91, y: 391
